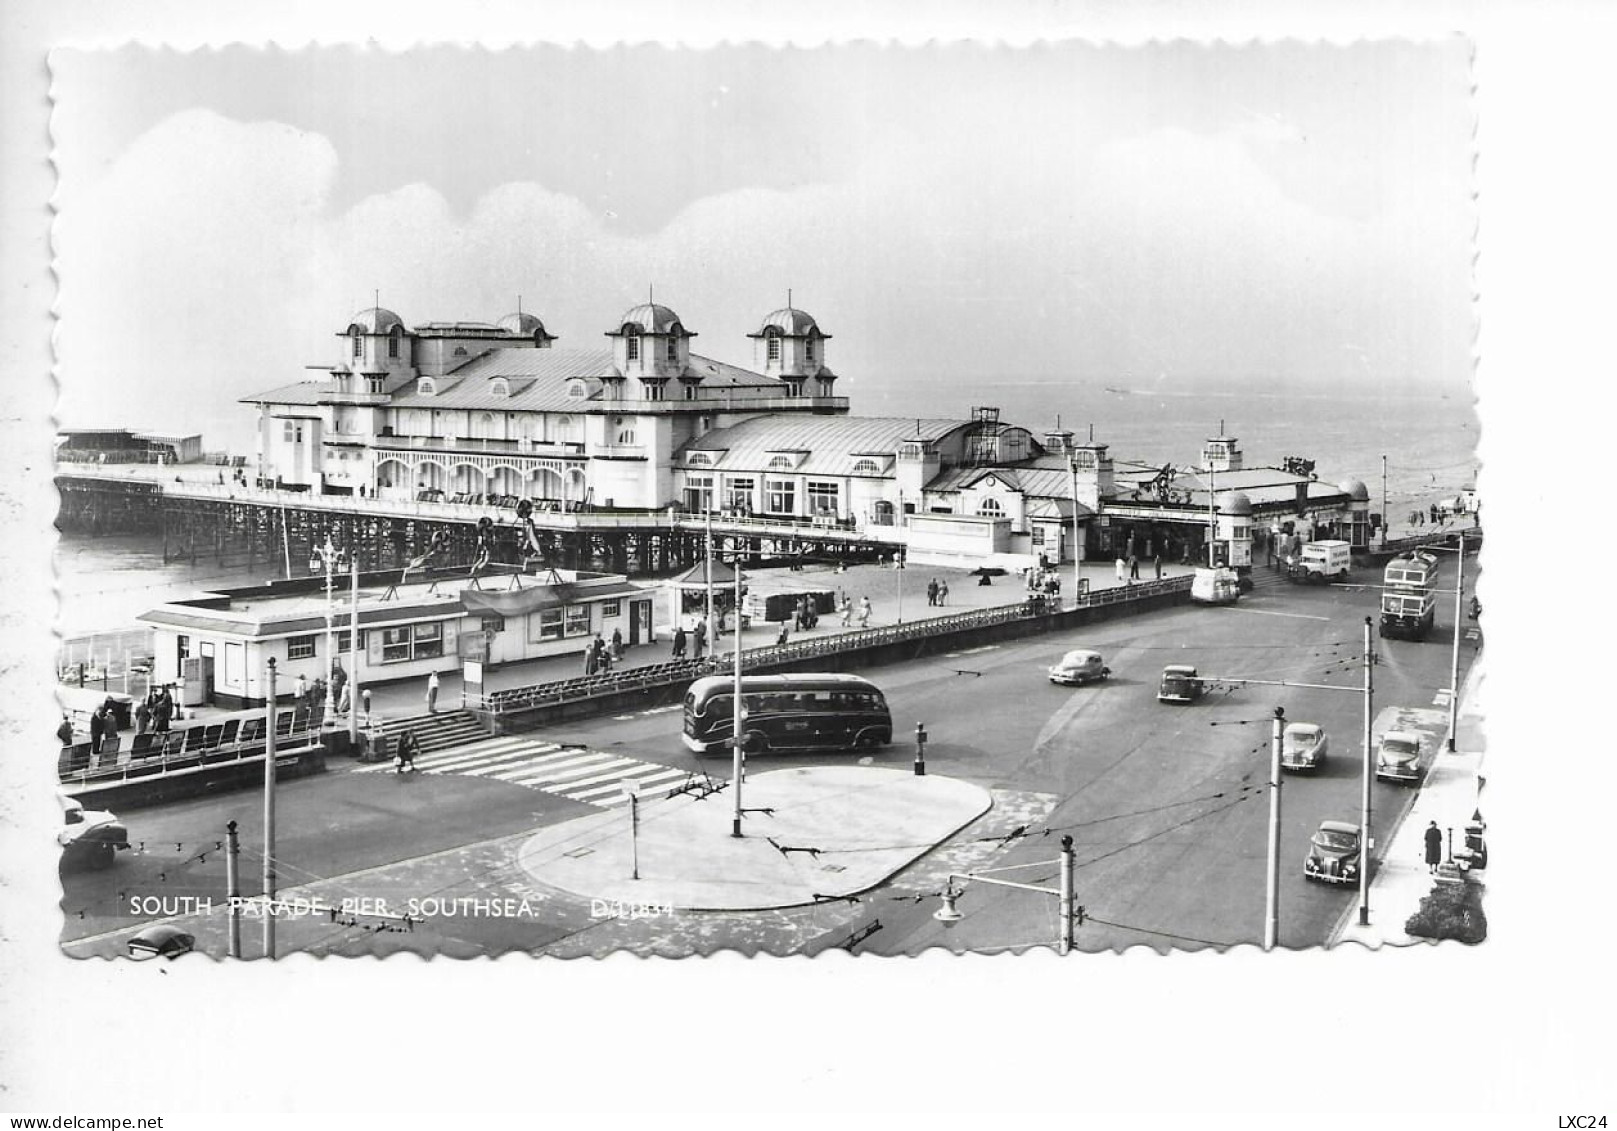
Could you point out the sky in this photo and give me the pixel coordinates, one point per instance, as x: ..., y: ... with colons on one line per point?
x: 1193, y: 217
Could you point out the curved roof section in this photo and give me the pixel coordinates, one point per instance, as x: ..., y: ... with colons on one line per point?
x: 1356, y: 489
x: 1236, y: 503
x: 523, y: 324
x: 376, y: 320
x: 791, y: 322
x: 651, y: 318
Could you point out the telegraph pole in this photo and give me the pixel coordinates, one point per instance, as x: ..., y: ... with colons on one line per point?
x: 1271, y: 918
x: 353, y: 654
x: 708, y: 626
x: 1364, y: 803
x: 269, y: 816
x: 233, y: 888
x: 737, y: 759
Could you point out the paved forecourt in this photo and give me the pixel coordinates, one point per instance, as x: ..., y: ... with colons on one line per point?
x: 810, y: 833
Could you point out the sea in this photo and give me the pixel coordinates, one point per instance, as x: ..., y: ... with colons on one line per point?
x: 1429, y: 441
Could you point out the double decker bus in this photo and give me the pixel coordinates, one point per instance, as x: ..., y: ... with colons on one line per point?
x: 1408, y: 600
x: 790, y: 712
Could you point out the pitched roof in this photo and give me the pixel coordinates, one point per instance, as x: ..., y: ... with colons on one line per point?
x: 834, y: 443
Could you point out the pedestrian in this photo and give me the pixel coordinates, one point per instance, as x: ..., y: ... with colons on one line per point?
x: 932, y: 592
x: 1157, y: 561
x: 162, y: 711
x: 864, y: 611
x: 300, y: 688
x: 407, y: 752
x: 617, y: 644
x: 699, y: 639
x: 1134, y: 568
x: 679, y: 642
x: 345, y: 704
x: 143, y: 715
x: 432, y: 693
x: 98, y: 727
x: 365, y: 704
x: 1434, y: 847
x: 847, y: 611
x: 339, y: 680
x: 785, y: 635
x: 943, y: 591
x: 64, y: 733
x: 1121, y: 566
x: 592, y: 656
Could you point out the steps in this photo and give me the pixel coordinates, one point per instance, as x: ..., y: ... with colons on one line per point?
x: 441, y: 731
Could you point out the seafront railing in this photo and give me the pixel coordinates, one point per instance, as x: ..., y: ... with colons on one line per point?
x: 603, y: 685
x: 200, y: 744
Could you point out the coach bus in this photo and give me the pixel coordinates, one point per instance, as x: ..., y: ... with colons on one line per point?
x: 790, y: 712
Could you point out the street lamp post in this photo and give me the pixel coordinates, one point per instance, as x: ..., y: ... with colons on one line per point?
x: 949, y: 914
x: 269, y: 814
x: 1365, y: 842
x: 1271, y: 918
x: 329, y: 556
x: 737, y: 756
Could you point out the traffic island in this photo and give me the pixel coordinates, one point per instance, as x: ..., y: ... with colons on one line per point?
x: 810, y: 834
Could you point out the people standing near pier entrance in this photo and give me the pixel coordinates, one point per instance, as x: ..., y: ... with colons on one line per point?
x: 847, y: 611
x: 1134, y: 568
x: 679, y: 642
x: 1121, y: 566
x: 1157, y: 561
x: 432, y: 693
x: 943, y: 591
x: 162, y: 711
x: 932, y: 592
x: 143, y: 715
x: 699, y: 639
x: 617, y: 644
x: 864, y: 612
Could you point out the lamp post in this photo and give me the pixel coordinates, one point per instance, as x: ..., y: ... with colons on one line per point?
x: 1365, y: 841
x: 269, y: 815
x: 631, y: 790
x: 330, y: 557
x: 949, y: 914
x: 737, y: 756
x: 1271, y: 918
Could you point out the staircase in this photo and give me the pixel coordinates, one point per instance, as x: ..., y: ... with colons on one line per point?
x: 1265, y: 578
x: 436, y: 732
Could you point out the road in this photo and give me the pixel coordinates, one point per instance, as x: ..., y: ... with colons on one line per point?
x: 1167, y: 806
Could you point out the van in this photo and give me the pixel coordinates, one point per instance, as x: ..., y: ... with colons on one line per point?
x: 1215, y: 586
x: 1322, y: 561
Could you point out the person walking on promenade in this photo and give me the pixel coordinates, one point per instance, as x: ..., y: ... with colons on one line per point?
x: 592, y: 656
x: 1157, y: 561
x: 143, y: 715
x: 943, y: 591
x: 407, y: 752
x: 699, y: 639
x: 1434, y: 847
x: 1121, y: 566
x: 98, y: 728
x: 162, y: 711
x: 847, y: 612
x: 432, y: 693
x: 1134, y: 568
x: 617, y: 644
x: 64, y: 733
x: 679, y: 642
x: 785, y: 635
x: 864, y: 612
x: 365, y: 704
x: 932, y: 592
x: 300, y: 688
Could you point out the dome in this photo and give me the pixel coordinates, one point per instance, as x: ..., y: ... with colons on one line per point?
x: 376, y: 320
x: 652, y: 319
x: 791, y: 322
x: 523, y: 325
x: 1236, y: 503
x: 1356, y: 489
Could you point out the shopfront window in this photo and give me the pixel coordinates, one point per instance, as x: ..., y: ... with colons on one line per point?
x: 780, y: 496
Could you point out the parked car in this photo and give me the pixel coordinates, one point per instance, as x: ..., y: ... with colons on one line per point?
x: 1180, y: 684
x: 1303, y: 746
x: 1078, y: 667
x: 89, y: 838
x: 161, y: 941
x: 1334, y: 854
x: 1398, y: 757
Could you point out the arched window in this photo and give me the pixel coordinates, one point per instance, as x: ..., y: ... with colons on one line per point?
x: 698, y: 459
x: 990, y: 508
x: 358, y: 341
x: 425, y: 387
x: 672, y: 349
x: 626, y: 434
x: 810, y: 347
x: 632, y: 347
x: 460, y: 351
x: 780, y: 463
x: 576, y: 390
x: 393, y: 340
x: 773, y: 340
x: 499, y: 387
x: 867, y: 467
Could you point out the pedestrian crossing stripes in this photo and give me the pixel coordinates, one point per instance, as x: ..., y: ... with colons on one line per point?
x: 575, y: 772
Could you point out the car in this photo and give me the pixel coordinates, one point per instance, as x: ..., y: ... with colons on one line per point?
x: 89, y: 838
x: 1334, y: 854
x: 1303, y: 746
x: 1180, y: 684
x: 1078, y: 667
x: 1398, y: 757
x: 161, y: 941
